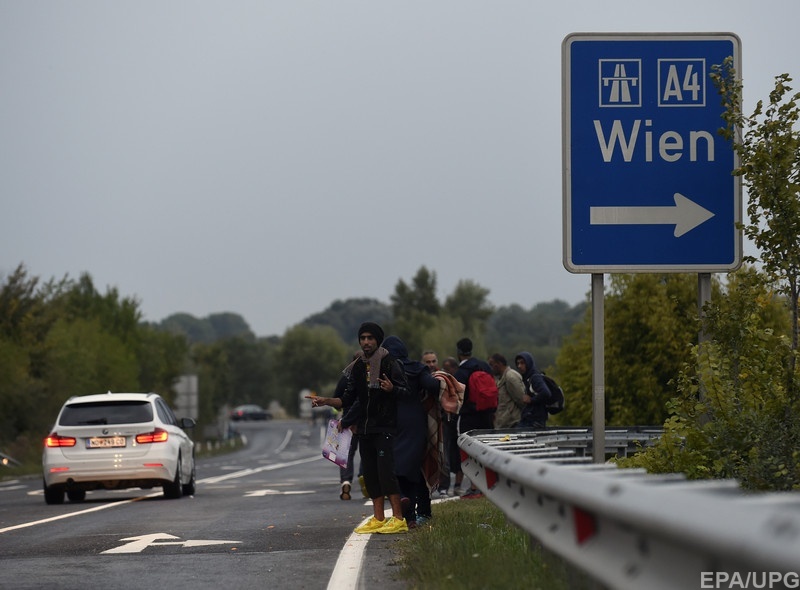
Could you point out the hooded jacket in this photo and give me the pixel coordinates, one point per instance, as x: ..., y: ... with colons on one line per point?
x: 412, y: 417
x: 535, y: 413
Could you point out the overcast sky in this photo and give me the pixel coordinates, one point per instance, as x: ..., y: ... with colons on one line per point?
x: 267, y: 158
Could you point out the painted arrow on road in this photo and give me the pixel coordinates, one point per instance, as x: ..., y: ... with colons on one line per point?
x: 140, y: 543
x: 685, y: 215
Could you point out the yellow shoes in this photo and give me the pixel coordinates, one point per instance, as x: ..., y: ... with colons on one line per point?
x: 371, y: 526
x: 385, y: 527
x: 393, y: 525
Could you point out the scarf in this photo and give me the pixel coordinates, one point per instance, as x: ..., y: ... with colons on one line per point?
x: 373, y: 366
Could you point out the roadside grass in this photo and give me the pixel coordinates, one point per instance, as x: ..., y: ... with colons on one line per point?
x: 471, y: 545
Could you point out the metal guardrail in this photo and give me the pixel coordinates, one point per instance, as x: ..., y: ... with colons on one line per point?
x: 629, y: 529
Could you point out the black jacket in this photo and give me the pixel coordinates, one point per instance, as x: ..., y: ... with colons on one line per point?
x: 373, y: 410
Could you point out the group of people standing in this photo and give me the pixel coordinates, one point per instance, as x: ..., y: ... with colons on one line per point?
x: 407, y: 416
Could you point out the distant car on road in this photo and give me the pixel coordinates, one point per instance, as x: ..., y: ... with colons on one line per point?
x: 117, y: 441
x: 249, y: 412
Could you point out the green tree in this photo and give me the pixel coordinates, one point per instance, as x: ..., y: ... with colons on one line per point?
x: 419, y: 296
x: 311, y: 358
x: 192, y: 328
x: 415, y: 309
x: 768, y: 145
x: 63, y: 338
x: 230, y: 325
x: 739, y: 428
x: 540, y: 330
x: 162, y: 358
x: 651, y: 321
x: 469, y: 302
x: 83, y: 358
x: 345, y: 316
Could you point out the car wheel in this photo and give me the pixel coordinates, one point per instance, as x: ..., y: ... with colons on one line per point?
x: 76, y: 495
x: 53, y: 494
x: 188, y: 489
x: 173, y: 490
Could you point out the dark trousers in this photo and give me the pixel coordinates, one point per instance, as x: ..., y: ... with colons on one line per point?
x: 346, y: 473
x: 451, y: 452
x: 377, y: 464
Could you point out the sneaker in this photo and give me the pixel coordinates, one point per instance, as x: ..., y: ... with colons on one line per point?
x: 345, y: 494
x: 363, y: 485
x: 371, y: 526
x: 423, y: 520
x: 393, y: 525
x: 437, y: 494
x: 472, y: 493
x: 451, y: 493
x: 458, y: 491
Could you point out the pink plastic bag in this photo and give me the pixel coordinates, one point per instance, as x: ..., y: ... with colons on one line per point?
x: 336, y: 447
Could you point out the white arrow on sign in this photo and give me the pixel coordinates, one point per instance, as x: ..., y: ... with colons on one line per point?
x: 685, y: 214
x: 138, y: 544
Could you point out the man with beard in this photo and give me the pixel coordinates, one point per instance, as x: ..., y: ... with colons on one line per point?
x: 375, y: 379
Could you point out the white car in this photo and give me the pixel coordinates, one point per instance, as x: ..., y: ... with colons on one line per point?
x: 117, y: 441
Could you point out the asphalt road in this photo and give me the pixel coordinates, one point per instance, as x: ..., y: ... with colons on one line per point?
x: 267, y: 516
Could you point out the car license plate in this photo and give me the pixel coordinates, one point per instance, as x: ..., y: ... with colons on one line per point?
x: 105, y: 442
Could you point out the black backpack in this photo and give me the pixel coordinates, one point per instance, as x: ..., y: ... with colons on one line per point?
x: 556, y: 403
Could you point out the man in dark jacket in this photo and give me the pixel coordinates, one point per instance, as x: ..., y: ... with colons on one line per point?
x: 374, y: 381
x: 537, y: 394
x: 470, y: 418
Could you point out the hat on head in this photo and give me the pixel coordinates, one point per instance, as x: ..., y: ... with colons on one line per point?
x: 371, y: 328
x: 464, y: 347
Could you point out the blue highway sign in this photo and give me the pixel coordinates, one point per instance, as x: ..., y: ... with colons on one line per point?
x: 648, y: 184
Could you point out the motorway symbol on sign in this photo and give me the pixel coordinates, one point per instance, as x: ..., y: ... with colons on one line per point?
x: 140, y: 543
x: 648, y: 182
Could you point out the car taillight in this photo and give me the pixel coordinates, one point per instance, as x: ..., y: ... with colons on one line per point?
x: 157, y: 436
x: 55, y: 440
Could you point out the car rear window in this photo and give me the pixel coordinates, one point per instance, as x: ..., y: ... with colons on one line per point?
x: 118, y: 412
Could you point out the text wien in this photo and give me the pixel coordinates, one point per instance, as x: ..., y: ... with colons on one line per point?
x: 671, y: 144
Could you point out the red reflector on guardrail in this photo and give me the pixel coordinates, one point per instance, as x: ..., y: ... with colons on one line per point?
x: 491, y: 479
x: 585, y: 525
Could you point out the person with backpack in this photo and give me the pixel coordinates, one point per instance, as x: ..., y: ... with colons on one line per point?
x: 480, y: 395
x: 537, y: 394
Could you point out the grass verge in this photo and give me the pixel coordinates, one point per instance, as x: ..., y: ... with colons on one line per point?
x: 471, y: 545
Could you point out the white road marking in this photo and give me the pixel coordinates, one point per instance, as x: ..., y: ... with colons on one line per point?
x: 348, y: 566
x: 259, y: 493
x: 140, y: 543
x: 154, y: 494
